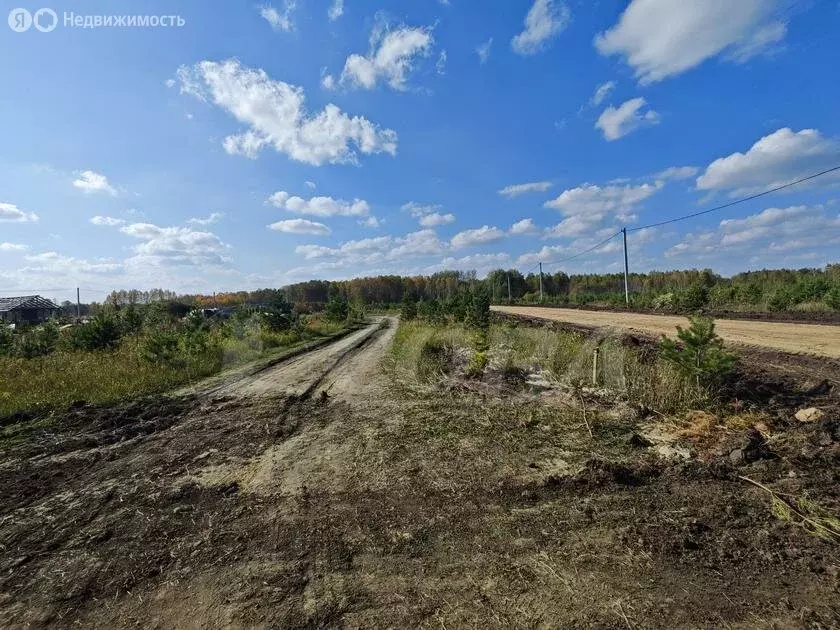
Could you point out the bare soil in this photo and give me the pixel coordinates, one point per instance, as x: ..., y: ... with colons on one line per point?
x: 817, y: 339
x: 349, y: 500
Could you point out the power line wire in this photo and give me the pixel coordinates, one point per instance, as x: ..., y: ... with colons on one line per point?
x: 586, y: 251
x: 737, y: 201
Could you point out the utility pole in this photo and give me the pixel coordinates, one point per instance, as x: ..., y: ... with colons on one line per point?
x: 541, y: 291
x: 626, y: 269
x: 508, y: 279
x: 78, y: 306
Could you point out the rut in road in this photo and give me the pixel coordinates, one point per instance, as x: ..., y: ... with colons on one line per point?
x: 338, y: 367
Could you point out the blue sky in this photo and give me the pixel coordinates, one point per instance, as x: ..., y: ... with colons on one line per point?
x: 262, y: 144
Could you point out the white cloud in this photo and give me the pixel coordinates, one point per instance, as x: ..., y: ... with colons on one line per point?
x: 617, y: 122
x: 590, y: 198
x: 10, y: 213
x: 663, y: 38
x: 479, y: 236
x: 109, y: 221
x: 90, y: 182
x: 480, y: 263
x: 525, y: 226
x: 379, y: 249
x: 336, y: 10
x: 310, y: 184
x: 789, y: 229
x: 213, y: 217
x: 176, y: 245
x: 483, y: 51
x: 277, y: 117
x: 440, y: 66
x: 391, y: 58
x: 55, y: 263
x: 300, y: 226
x: 515, y: 190
x: 279, y: 21
x: 319, y: 206
x: 545, y: 19
x: 419, y: 209
x: 776, y: 159
x: 602, y: 92
x: 13, y: 247
x: 328, y: 82
x: 677, y: 173
x: 371, y: 222
x: 436, y: 218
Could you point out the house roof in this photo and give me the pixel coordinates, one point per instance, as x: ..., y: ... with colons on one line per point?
x: 26, y: 301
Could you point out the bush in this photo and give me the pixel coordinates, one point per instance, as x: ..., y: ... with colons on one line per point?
x: 779, y: 300
x: 478, y: 314
x: 664, y: 302
x: 408, y: 311
x: 102, y: 332
x: 337, y: 308
x: 699, y: 353
x: 693, y: 298
x: 832, y: 298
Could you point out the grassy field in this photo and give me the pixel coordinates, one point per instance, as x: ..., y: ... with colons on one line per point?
x: 103, y: 376
x: 423, y: 354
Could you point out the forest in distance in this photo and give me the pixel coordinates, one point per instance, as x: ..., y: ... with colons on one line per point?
x: 806, y: 289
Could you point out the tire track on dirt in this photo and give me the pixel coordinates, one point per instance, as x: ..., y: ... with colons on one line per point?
x: 302, y: 375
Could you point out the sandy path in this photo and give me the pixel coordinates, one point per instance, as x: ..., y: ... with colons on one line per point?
x: 336, y: 368
x: 811, y: 338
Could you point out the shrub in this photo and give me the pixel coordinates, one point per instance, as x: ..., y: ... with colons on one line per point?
x: 161, y: 347
x: 699, y: 353
x: 693, y: 298
x: 779, y: 300
x: 832, y: 298
x: 102, y: 332
x: 408, y: 311
x: 478, y: 314
x: 337, y: 308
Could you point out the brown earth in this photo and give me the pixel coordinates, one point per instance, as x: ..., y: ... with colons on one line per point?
x: 817, y: 339
x: 350, y: 500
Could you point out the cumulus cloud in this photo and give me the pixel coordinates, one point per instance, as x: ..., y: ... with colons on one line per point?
x: 336, y: 10
x: 376, y: 250
x: 771, y: 230
x: 662, y: 38
x: 602, y: 92
x: 276, y: 117
x: 310, y: 184
x: 371, y: 222
x: 176, y: 245
x: 300, y: 226
x: 391, y: 58
x: 279, y: 21
x: 515, y: 190
x: 776, y: 159
x: 677, y: 173
x: 525, y: 226
x: 545, y: 20
x: 479, y: 236
x: 319, y: 206
x: 13, y: 247
x: 109, y: 221
x: 93, y: 182
x: 10, y: 213
x: 617, y: 122
x: 483, y: 51
x: 587, y: 207
x: 54, y: 263
x: 436, y: 218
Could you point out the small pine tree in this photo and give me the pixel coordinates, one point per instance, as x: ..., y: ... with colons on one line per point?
x: 408, y: 310
x: 699, y: 353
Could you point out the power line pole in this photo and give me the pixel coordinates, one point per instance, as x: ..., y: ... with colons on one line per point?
x: 541, y: 290
x: 508, y: 279
x: 78, y: 306
x: 626, y: 269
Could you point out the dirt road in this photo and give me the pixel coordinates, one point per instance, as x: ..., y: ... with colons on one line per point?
x: 389, y: 505
x: 796, y: 338
x: 335, y: 368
